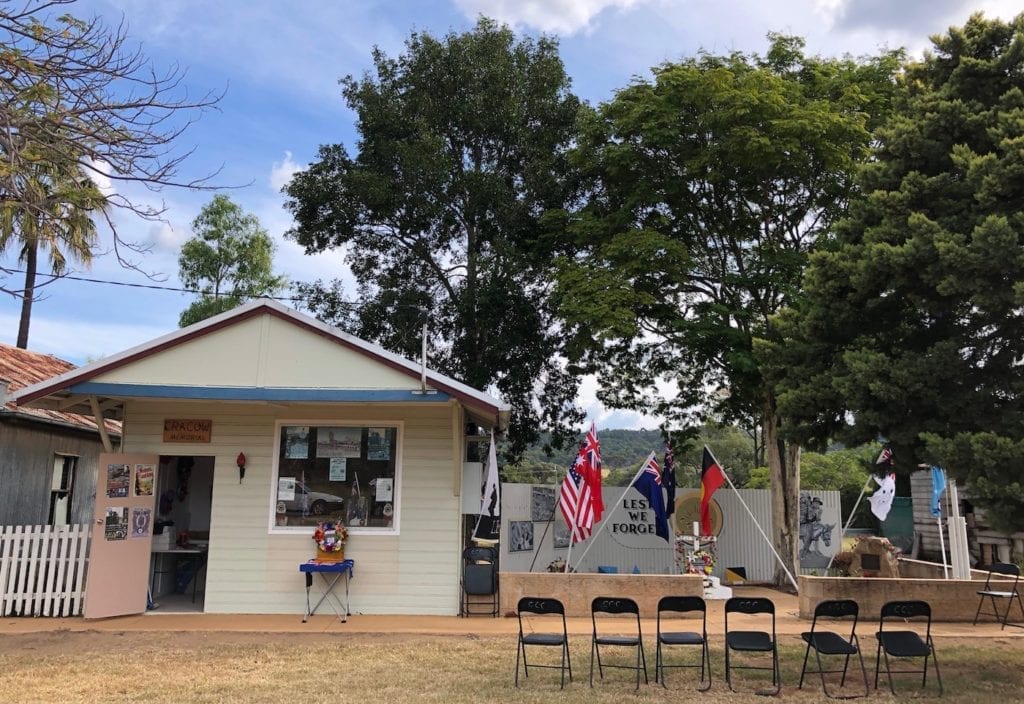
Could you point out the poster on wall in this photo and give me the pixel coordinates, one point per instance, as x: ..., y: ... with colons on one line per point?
x: 116, y: 525
x: 142, y: 520
x: 378, y: 443
x: 118, y: 478
x: 296, y: 442
x: 338, y: 469
x: 339, y: 442
x: 144, y: 474
x: 542, y: 503
x: 520, y: 536
x: 562, y: 535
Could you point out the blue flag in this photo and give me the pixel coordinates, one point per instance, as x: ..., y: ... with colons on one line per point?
x: 648, y: 483
x: 938, y: 486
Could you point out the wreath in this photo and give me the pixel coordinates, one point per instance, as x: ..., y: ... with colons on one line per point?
x: 702, y: 561
x: 330, y: 536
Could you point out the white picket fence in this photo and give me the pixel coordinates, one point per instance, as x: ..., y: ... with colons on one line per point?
x: 42, y: 570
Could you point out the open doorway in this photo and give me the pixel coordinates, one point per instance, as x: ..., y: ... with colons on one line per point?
x: 181, y: 534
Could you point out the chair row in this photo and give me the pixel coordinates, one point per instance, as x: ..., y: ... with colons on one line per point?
x: 749, y: 637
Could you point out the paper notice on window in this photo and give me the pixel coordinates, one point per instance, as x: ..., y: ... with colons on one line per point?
x: 338, y: 469
x: 286, y: 489
x: 384, y: 489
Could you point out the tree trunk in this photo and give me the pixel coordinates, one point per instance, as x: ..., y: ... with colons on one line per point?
x: 784, y: 470
x: 31, y: 263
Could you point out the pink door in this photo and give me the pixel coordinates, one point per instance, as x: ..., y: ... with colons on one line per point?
x: 122, y: 534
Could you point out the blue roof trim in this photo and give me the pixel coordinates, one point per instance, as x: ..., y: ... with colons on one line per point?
x: 254, y: 393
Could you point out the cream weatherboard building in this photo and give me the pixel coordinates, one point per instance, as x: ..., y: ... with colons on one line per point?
x: 324, y: 424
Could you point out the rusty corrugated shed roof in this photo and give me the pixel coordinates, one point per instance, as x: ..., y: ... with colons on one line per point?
x: 21, y: 368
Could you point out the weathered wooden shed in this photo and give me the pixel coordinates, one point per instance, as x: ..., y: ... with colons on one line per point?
x: 47, y: 456
x: 326, y: 425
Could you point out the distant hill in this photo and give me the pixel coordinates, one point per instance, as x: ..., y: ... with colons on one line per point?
x: 623, y: 451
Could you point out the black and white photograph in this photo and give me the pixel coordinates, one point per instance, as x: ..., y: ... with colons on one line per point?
x: 562, y: 535
x: 542, y: 503
x: 520, y: 536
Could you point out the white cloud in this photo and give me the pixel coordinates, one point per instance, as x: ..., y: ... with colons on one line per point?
x: 98, y: 171
x: 282, y: 171
x: 79, y: 340
x: 557, y: 16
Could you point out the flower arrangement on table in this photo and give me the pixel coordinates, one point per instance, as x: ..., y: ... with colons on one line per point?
x: 330, y: 538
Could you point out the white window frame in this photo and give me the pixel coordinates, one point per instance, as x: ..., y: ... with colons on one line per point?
x: 62, y: 457
x: 396, y: 499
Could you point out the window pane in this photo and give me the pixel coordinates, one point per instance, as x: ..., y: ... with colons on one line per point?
x: 332, y: 471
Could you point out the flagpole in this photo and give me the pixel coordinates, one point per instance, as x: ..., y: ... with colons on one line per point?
x: 604, y: 521
x: 849, y: 520
x: 942, y: 547
x: 540, y: 542
x: 759, y: 530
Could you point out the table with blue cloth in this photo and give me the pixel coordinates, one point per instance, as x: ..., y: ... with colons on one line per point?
x: 332, y: 574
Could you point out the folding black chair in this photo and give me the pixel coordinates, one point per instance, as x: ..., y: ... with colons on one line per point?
x: 543, y: 608
x: 479, y: 579
x: 616, y: 605
x: 671, y: 605
x: 1003, y: 588
x: 906, y: 644
x: 752, y: 641
x: 825, y: 642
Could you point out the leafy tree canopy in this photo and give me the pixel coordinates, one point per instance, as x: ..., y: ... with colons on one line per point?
x: 913, y: 329
x: 708, y: 186
x: 462, y: 147
x: 229, y: 260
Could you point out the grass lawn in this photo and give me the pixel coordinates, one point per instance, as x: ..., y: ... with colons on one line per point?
x: 73, y: 668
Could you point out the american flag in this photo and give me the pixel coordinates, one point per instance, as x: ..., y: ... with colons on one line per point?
x: 576, y: 500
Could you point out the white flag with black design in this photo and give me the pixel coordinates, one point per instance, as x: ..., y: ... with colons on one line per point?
x: 489, y: 522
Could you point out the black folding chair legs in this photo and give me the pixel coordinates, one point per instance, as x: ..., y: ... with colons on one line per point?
x: 837, y: 649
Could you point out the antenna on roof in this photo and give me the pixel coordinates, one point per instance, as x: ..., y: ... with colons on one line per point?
x: 423, y: 356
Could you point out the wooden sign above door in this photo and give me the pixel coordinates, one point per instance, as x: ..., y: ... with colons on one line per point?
x: 187, y: 430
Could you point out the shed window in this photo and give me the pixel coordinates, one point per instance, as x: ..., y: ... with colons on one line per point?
x: 61, y: 483
x: 336, y: 470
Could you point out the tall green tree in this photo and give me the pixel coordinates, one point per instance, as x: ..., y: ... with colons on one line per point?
x: 710, y: 185
x: 462, y: 147
x: 80, y: 104
x: 913, y: 329
x: 55, y: 216
x: 229, y: 260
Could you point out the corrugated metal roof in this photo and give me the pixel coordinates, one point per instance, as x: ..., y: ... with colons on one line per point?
x: 21, y: 368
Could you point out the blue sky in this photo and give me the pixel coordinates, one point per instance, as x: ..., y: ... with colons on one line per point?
x: 280, y: 62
